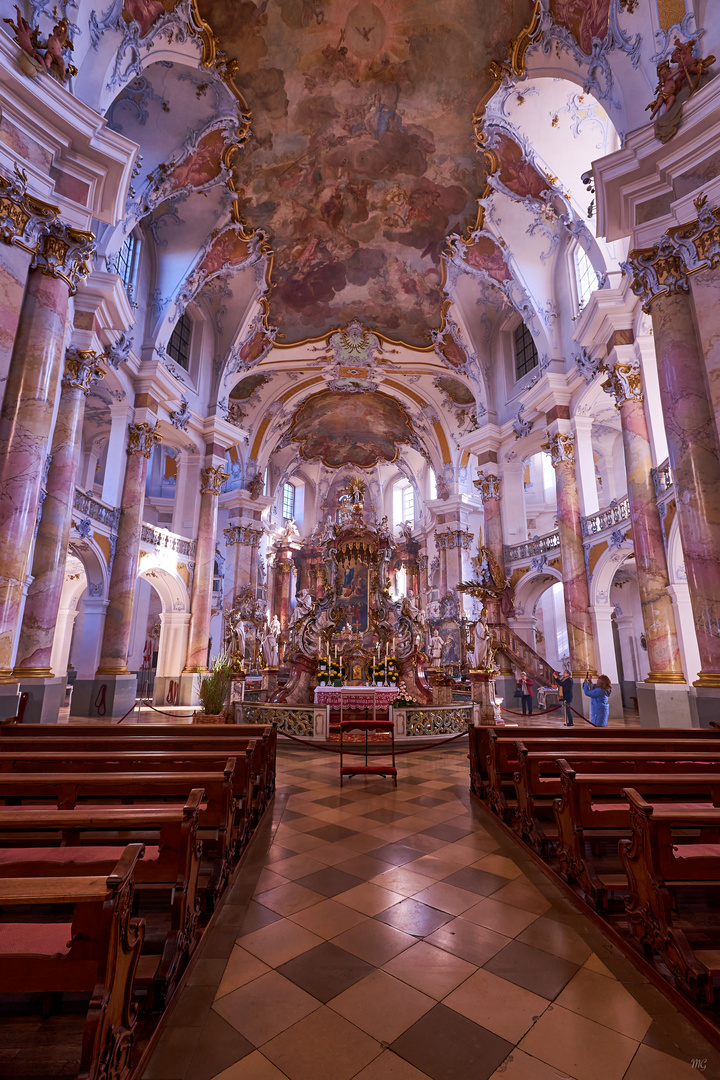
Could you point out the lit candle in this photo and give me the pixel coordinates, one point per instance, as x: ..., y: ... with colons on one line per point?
x: 336, y: 652
x: 387, y: 649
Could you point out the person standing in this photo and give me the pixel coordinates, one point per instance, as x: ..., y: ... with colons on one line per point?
x: 599, y: 700
x: 565, y: 685
x: 525, y: 686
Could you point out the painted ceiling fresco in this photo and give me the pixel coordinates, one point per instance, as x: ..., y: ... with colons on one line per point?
x: 341, y: 428
x: 585, y: 19
x: 361, y: 158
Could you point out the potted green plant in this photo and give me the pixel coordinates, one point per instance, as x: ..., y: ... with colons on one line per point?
x: 214, y: 692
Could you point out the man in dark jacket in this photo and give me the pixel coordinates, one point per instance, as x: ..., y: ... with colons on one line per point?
x: 565, y: 684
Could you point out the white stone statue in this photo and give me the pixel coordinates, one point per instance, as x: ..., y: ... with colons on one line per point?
x: 275, y: 626
x: 303, y: 605
x: 270, y: 649
x: 482, y: 642
x: 436, y: 648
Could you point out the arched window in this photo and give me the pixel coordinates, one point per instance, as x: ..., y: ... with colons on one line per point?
x: 526, y: 354
x: 179, y: 343
x: 585, y: 277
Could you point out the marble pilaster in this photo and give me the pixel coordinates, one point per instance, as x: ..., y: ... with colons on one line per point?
x: 572, y: 556
x: 123, y: 578
x: 212, y: 479
x: 625, y: 383
x: 59, y: 260
x: 40, y: 615
x: 490, y: 487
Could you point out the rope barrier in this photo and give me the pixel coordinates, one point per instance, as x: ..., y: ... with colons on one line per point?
x: 378, y: 753
x: 540, y: 712
x: 179, y: 716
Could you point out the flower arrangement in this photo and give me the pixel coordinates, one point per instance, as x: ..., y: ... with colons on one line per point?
x: 404, y: 699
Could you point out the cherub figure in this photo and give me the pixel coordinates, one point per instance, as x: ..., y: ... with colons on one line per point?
x: 55, y: 46
x: 25, y: 36
x: 666, y: 90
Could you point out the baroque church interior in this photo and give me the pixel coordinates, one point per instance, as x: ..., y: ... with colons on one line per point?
x: 360, y: 387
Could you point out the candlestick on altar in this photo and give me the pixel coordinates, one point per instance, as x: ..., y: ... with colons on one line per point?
x: 386, y: 660
x: 336, y: 652
x: 387, y: 649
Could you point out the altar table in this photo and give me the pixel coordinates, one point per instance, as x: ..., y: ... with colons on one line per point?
x: 355, y: 697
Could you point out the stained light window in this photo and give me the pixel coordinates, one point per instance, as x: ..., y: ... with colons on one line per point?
x: 125, y: 261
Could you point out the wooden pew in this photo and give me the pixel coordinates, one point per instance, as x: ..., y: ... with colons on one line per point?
x: 593, y: 816
x: 244, y: 775
x: 674, y: 856
x: 537, y: 779
x: 37, y: 842
x: 482, y: 738
x: 502, y: 762
x: 89, y: 739
x: 217, y: 820
x: 95, y: 952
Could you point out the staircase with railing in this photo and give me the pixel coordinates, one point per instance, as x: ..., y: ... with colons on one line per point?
x: 521, y: 655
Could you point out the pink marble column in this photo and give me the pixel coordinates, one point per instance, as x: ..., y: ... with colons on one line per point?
x: 441, y: 548
x: 705, y: 292
x: 693, y: 451
x: 284, y: 567
x: 51, y: 544
x: 211, y: 481
x: 572, y: 556
x: 123, y: 577
x: 25, y: 425
x: 625, y: 383
x: 14, y: 266
x: 489, y: 487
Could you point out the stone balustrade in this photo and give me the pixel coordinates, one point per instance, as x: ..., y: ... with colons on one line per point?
x: 531, y: 549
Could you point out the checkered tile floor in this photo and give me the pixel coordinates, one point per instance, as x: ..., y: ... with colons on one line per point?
x: 398, y: 934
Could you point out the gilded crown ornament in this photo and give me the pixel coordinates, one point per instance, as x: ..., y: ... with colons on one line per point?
x: 212, y: 480
x: 142, y: 438
x: 561, y: 448
x: 82, y: 370
x: 488, y: 485
x: 625, y: 382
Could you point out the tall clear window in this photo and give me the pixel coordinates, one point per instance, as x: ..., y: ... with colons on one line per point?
x: 403, y: 503
x: 179, y: 343
x: 125, y: 261
x: 585, y: 277
x: 288, y: 510
x: 526, y: 354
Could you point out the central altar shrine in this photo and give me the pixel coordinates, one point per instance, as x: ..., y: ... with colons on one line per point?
x: 352, y: 634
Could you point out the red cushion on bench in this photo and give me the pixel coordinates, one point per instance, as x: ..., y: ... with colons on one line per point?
x: 696, y: 851
x: 35, y: 939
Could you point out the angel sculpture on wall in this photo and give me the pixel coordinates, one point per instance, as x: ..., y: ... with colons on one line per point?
x: 678, y: 79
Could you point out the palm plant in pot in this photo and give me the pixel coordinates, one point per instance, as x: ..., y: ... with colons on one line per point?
x: 214, y: 692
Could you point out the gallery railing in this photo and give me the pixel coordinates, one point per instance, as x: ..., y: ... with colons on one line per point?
x: 161, y: 538
x: 540, y: 545
x: 95, y: 510
x: 617, y: 513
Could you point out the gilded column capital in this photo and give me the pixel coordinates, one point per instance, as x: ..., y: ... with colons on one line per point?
x: 488, y: 485
x: 625, y: 382
x: 142, y: 438
x: 81, y: 370
x: 561, y: 448
x: 212, y: 480
x: 22, y: 217
x: 243, y: 534
x: 64, y: 252
x: 682, y: 251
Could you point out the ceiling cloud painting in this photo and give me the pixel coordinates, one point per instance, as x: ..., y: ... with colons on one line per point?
x: 361, y: 158
x: 342, y: 428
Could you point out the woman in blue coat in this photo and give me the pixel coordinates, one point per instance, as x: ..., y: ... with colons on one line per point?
x: 599, y: 700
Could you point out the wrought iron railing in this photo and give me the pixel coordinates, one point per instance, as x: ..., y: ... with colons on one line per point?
x: 615, y: 514
x: 433, y: 720
x: 161, y: 538
x: 304, y: 721
x: 541, y: 545
x: 96, y: 511
x: 522, y: 655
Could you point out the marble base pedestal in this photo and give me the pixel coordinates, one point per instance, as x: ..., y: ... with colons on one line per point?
x: 665, y: 705
x: 47, y: 695
x: 162, y: 687
x: 9, y: 699
x: 705, y: 705
x: 118, y: 698
x: 441, y: 686
x: 483, y: 695
x: 269, y: 678
x: 189, y: 688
